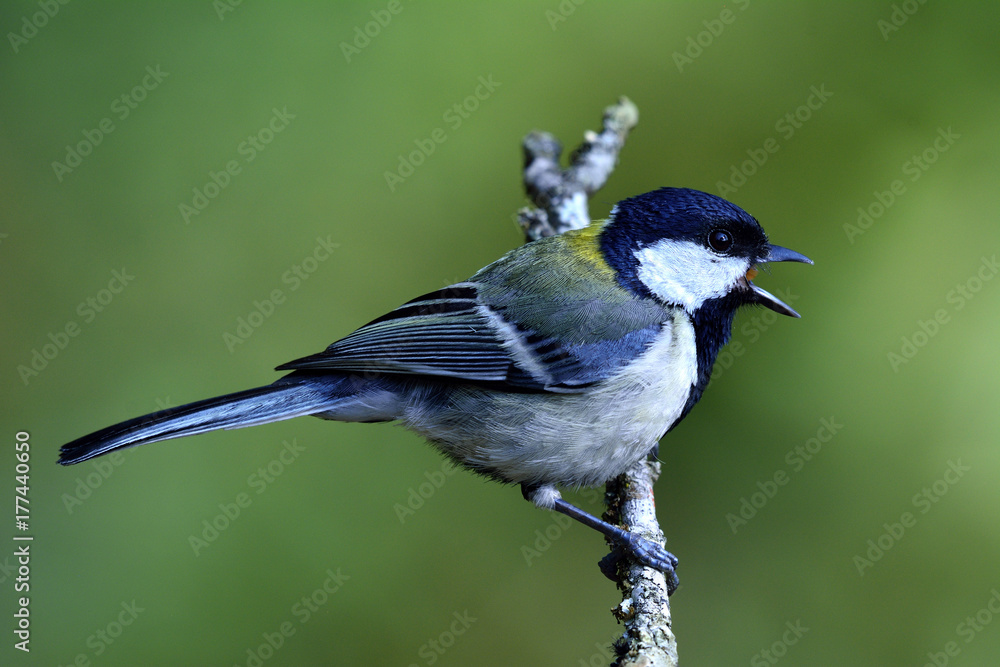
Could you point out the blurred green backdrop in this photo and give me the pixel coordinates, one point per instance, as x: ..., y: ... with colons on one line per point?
x: 275, y: 124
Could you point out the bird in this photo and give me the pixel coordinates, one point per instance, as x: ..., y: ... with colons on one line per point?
x: 561, y: 364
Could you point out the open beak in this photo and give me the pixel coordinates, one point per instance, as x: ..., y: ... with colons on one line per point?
x: 775, y: 254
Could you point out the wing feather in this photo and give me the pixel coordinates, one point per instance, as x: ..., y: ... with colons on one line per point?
x: 510, y: 324
x: 441, y: 333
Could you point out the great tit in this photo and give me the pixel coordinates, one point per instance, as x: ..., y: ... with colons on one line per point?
x: 560, y: 364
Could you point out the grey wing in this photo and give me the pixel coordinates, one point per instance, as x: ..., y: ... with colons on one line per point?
x: 452, y: 333
x: 441, y: 333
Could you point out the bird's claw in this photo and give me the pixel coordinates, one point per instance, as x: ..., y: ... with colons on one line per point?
x: 643, y: 551
x: 651, y: 554
x: 609, y: 564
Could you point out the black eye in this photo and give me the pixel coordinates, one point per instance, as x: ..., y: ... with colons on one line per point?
x: 720, y: 240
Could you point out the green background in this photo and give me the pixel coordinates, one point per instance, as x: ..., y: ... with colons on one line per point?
x: 160, y: 340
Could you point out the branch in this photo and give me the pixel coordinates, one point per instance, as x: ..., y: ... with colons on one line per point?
x: 561, y: 194
x: 644, y: 610
x: 561, y: 197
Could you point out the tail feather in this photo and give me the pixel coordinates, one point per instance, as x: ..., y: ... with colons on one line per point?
x: 244, y: 408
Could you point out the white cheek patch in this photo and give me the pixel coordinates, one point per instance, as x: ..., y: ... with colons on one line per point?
x: 686, y: 273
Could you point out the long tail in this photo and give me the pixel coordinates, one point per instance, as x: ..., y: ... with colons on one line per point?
x: 244, y: 408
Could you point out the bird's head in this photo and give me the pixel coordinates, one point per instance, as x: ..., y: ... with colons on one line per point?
x: 684, y: 247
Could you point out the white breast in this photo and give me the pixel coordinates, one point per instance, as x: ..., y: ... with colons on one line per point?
x: 568, y: 439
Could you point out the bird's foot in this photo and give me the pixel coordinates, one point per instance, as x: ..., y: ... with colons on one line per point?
x: 643, y: 551
x: 651, y: 554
